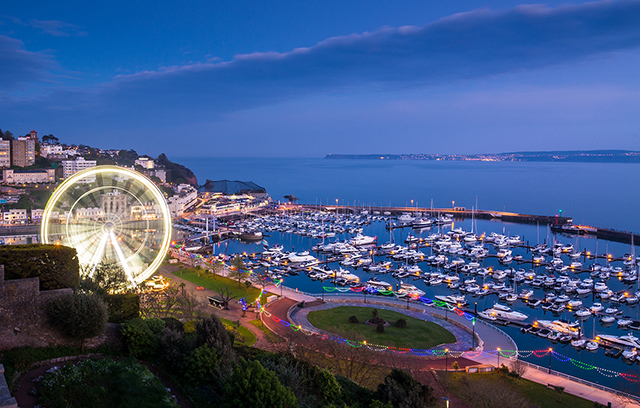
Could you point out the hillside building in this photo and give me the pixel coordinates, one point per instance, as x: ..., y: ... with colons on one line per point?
x: 23, y: 152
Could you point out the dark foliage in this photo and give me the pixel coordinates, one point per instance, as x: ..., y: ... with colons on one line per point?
x: 401, y: 323
x: 138, y: 337
x: 55, y: 265
x: 353, y: 319
x: 380, y: 328
x: 173, y: 324
x: 123, y: 307
x: 403, y: 391
x: 78, y: 316
x: 177, y: 173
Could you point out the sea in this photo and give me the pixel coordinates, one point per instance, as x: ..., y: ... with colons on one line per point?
x: 595, y: 194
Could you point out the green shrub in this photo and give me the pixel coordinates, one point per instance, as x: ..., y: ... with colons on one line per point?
x: 354, y: 319
x: 78, y: 316
x: 103, y: 383
x: 253, y: 386
x: 174, y: 324
x: 156, y: 325
x: 200, y: 364
x: 123, y: 307
x: 401, y: 323
x: 138, y: 337
x: 380, y: 328
x: 55, y: 265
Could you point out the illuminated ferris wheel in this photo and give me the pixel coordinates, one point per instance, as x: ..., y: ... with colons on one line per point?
x: 110, y: 212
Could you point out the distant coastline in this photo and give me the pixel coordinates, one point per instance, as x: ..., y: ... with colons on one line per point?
x: 602, y: 156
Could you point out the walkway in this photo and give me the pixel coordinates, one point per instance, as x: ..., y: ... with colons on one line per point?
x: 492, y: 338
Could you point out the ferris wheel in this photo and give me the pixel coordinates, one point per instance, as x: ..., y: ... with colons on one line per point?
x: 110, y: 212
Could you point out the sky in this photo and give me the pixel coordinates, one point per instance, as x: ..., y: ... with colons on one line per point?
x: 288, y: 78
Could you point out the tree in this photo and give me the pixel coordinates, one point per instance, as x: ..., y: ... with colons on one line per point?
x: 211, y: 331
x: 403, y: 391
x: 172, y: 301
x: 78, y: 316
x: 490, y: 392
x: 225, y: 297
x: 560, y: 391
x: 253, y: 386
x: 200, y: 364
x: 8, y: 135
x: 455, y: 365
x: 519, y: 367
x: 51, y: 139
x: 215, y: 268
x: 238, y: 270
x: 108, y: 277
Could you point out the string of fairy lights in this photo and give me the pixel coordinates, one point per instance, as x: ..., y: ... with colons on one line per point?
x: 469, y: 354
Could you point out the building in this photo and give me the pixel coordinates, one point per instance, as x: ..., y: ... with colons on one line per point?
x: 33, y: 135
x: 23, y: 152
x: 185, y: 198
x: 145, y: 162
x: 70, y: 167
x: 10, y: 176
x: 36, y: 214
x: 114, y: 203
x: 47, y: 149
x: 5, y: 153
x: 228, y: 187
x: 15, y: 216
x: 93, y: 213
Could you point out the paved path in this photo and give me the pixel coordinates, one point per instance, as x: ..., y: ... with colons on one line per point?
x: 491, y: 337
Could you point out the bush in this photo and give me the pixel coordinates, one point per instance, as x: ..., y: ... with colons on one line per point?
x: 354, y: 319
x: 401, y: 323
x: 138, y: 337
x: 253, y: 386
x: 156, y: 325
x: 174, y: 324
x: 78, y: 316
x: 103, y: 383
x: 172, y: 345
x: 455, y: 365
x: 380, y: 328
x: 55, y: 265
x: 503, y: 369
x: 123, y: 307
x: 401, y: 389
x: 200, y: 364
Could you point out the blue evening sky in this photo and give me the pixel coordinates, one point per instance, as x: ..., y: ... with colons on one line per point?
x: 307, y: 78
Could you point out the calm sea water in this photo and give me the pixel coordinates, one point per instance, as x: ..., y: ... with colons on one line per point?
x: 597, y: 194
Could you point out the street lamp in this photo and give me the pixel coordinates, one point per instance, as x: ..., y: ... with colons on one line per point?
x: 446, y: 359
x: 475, y: 316
x: 550, y: 352
x: 498, y: 357
x: 447, y: 401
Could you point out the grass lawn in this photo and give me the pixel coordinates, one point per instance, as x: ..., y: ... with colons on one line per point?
x: 249, y: 337
x: 219, y: 283
x: 539, y: 394
x: 271, y: 336
x: 418, y: 334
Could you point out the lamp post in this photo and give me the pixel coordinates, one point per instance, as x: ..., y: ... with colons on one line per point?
x: 323, y: 293
x: 475, y: 314
x: 447, y: 401
x: 550, y: 352
x: 498, y: 357
x: 446, y: 359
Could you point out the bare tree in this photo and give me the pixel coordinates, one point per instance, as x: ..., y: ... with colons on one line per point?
x: 519, y: 367
x: 485, y: 392
x: 173, y: 301
x: 238, y: 270
x: 225, y: 297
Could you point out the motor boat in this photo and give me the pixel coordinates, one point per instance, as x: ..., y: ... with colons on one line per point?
x: 591, y: 346
x: 562, y: 326
x: 507, y: 315
x: 580, y: 343
x: 596, y: 307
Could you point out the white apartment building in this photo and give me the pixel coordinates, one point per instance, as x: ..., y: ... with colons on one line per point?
x: 5, y: 153
x: 145, y: 162
x: 36, y: 214
x: 47, y: 149
x: 23, y: 152
x: 186, y: 197
x: 70, y: 167
x: 15, y: 216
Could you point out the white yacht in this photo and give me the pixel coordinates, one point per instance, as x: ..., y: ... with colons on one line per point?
x: 628, y: 341
x: 512, y: 315
x: 360, y: 239
x: 562, y: 326
x: 301, y: 257
x: 452, y: 299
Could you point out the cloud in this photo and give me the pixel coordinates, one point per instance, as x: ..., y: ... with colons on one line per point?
x: 476, y: 44
x: 18, y: 66
x: 57, y: 28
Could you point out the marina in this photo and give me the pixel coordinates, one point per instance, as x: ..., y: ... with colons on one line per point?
x: 545, y: 293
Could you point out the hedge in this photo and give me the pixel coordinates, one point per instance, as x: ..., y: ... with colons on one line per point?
x: 55, y: 265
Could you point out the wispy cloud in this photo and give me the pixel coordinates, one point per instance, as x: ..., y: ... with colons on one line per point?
x: 19, y: 66
x: 57, y: 28
x: 469, y: 45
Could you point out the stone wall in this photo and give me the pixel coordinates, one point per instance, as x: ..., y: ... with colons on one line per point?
x: 23, y: 321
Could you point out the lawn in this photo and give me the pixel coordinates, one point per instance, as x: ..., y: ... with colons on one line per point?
x: 271, y: 336
x: 539, y: 394
x: 418, y: 334
x: 219, y: 283
x: 248, y: 336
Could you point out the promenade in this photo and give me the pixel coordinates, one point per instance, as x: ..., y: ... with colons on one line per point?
x: 491, y: 338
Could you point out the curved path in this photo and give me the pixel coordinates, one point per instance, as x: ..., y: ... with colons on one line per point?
x: 491, y: 337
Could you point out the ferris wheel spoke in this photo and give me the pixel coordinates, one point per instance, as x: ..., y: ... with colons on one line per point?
x: 121, y: 257
x: 97, y: 255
